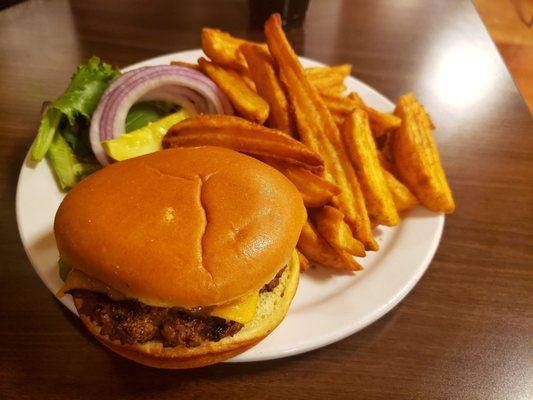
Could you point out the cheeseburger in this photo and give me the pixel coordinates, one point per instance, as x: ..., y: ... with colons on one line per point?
x: 181, y: 258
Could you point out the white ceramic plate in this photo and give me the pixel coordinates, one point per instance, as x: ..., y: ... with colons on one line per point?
x: 328, y: 307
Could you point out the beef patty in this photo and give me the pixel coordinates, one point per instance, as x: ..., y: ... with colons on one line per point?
x: 131, y: 321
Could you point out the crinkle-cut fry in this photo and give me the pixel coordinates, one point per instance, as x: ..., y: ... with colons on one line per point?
x: 247, y: 103
x: 380, y: 122
x: 329, y: 80
x: 338, y: 71
x: 416, y: 157
x: 402, y: 197
x: 244, y: 136
x: 186, y: 65
x: 268, y: 86
x: 326, y: 82
x: 317, y: 250
x: 339, y: 106
x: 304, y: 262
x: 364, y: 155
x: 330, y: 224
x: 329, y: 90
x: 317, y: 129
x: 315, y: 190
x: 338, y: 103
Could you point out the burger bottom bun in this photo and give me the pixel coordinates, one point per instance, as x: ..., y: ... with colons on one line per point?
x: 271, y: 310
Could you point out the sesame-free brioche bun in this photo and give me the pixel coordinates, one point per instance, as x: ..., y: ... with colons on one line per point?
x: 271, y: 310
x: 186, y: 227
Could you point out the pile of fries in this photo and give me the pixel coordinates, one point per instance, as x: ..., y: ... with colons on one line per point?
x: 356, y: 167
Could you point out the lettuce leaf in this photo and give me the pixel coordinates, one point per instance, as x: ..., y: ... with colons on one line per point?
x: 68, y: 169
x: 47, y: 130
x: 63, y: 162
x: 79, y: 100
x: 77, y: 137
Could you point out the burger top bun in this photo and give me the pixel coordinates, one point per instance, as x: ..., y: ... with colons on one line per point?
x: 184, y: 227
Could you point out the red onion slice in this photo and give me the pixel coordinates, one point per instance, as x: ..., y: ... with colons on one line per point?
x: 169, y: 92
x: 184, y: 86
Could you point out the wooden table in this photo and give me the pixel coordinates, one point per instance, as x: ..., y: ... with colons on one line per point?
x: 464, y: 332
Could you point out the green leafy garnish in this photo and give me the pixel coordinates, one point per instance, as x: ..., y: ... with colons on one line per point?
x: 78, y: 100
x: 77, y: 137
x: 69, y: 170
x: 45, y: 135
x: 63, y: 161
x: 85, y: 89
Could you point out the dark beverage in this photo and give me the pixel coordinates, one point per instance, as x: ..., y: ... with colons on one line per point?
x: 292, y: 11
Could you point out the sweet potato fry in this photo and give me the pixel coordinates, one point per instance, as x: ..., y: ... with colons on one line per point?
x: 330, y: 225
x: 363, y: 153
x: 304, y: 262
x: 223, y: 49
x: 329, y: 79
x: 248, y: 103
x: 315, y: 190
x: 268, y: 86
x: 317, y: 250
x: 380, y: 122
x: 402, y: 197
x: 339, y: 104
x: 317, y: 129
x: 186, y: 65
x: 338, y: 71
x: 241, y: 135
x: 330, y: 90
x: 246, y: 77
x: 416, y: 157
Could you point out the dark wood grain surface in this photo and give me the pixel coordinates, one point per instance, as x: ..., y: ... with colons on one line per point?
x: 464, y: 332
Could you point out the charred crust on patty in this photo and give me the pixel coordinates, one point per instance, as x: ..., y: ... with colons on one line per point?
x: 130, y: 321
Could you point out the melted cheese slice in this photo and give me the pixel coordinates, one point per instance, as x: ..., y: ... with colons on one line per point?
x: 78, y: 280
x: 241, y: 310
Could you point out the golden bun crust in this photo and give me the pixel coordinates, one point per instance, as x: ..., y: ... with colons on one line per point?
x: 271, y: 310
x: 181, y: 227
